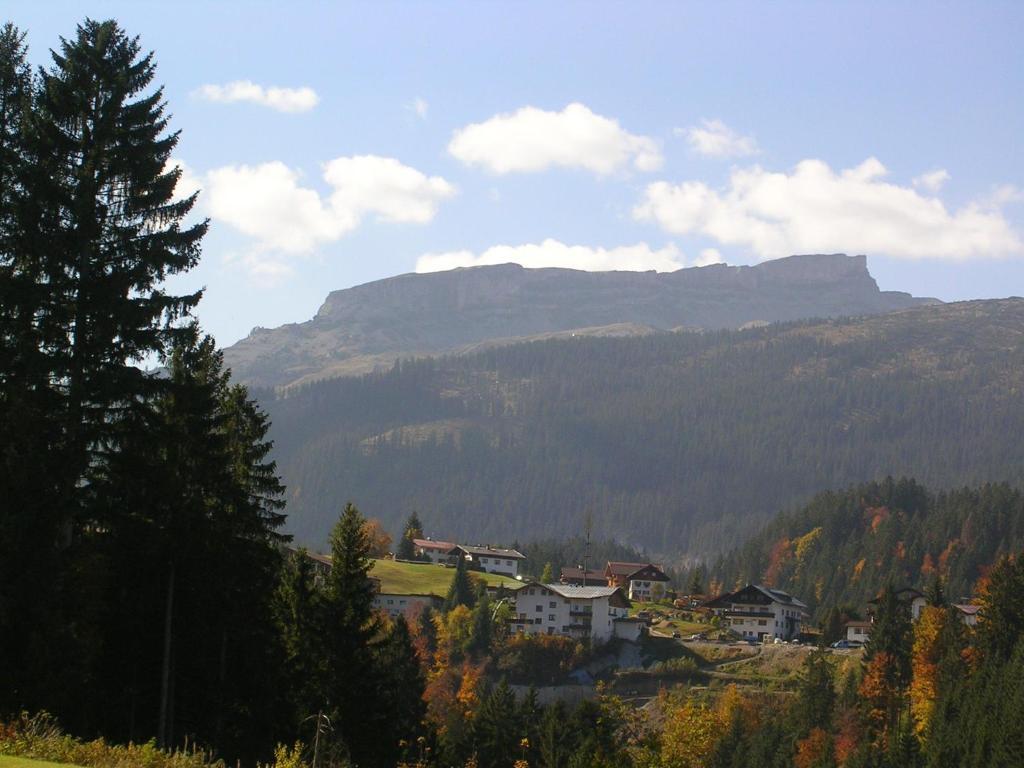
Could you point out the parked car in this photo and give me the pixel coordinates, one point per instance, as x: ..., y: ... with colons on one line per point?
x: 676, y: 635
x: 843, y: 644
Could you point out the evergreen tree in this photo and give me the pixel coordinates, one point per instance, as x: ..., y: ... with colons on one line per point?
x: 555, y: 737
x: 816, y: 697
x: 936, y: 593
x: 480, y: 639
x: 413, y: 530
x: 1002, y: 609
x: 351, y: 632
x: 299, y: 613
x: 495, y: 734
x: 116, y: 236
x: 399, y: 692
x: 695, y: 586
x: 460, y: 592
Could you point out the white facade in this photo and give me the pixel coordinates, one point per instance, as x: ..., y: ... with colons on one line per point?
x: 560, y: 609
x: 858, y: 631
x: 434, y: 551
x: 398, y: 605
x: 493, y: 560
x: 759, y: 613
x: 645, y: 590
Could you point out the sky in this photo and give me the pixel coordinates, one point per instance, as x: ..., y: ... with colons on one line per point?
x: 339, y: 143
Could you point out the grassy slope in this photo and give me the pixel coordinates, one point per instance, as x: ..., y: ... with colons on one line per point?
x: 424, y: 578
x: 7, y: 761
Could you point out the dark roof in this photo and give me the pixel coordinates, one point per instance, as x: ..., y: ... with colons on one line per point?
x: 905, y: 594
x: 576, y: 574
x: 618, y: 568
x: 773, y: 595
x: 471, y: 549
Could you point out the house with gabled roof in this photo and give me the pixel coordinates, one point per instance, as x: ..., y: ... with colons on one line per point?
x: 641, y: 581
x: 595, y: 613
x: 577, y: 577
x: 757, y: 612
x: 492, y: 559
x: 913, y: 599
x: 435, y: 551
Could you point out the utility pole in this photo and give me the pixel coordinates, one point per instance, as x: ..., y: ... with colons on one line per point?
x: 588, y: 524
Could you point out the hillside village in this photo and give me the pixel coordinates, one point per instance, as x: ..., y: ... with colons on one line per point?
x: 610, y: 603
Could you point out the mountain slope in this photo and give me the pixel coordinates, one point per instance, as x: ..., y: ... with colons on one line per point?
x: 363, y: 328
x: 843, y: 547
x: 677, y: 442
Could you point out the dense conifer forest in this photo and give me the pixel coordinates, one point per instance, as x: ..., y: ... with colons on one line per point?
x: 674, y: 442
x: 844, y: 546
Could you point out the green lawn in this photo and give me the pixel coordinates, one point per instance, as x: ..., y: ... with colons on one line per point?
x: 7, y: 761
x: 424, y: 578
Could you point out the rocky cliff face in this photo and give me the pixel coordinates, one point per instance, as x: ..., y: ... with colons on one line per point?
x: 371, y: 325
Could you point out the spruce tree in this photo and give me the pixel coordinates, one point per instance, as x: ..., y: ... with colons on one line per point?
x: 351, y: 636
x: 413, y: 530
x: 400, y: 686
x: 111, y: 233
x: 460, y: 592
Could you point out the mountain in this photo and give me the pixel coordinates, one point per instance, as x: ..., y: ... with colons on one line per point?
x: 843, y: 547
x: 675, y: 442
x: 361, y: 329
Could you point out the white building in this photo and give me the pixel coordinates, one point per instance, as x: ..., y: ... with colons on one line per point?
x: 398, y: 605
x: 493, y: 559
x: 598, y: 613
x: 858, y: 631
x: 642, y: 581
x: 757, y: 612
x: 435, y: 551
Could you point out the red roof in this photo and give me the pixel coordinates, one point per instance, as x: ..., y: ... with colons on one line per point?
x: 444, y: 546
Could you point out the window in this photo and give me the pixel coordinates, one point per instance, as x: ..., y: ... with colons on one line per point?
x: 551, y: 630
x: 483, y: 559
x: 390, y: 601
x: 552, y: 604
x: 522, y: 617
x: 551, y: 617
x: 762, y: 622
x: 508, y: 562
x: 565, y: 630
x: 540, y: 608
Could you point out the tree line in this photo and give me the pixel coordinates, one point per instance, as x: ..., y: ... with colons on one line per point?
x: 841, y: 548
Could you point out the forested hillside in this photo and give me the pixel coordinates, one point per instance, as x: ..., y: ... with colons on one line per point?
x: 843, y: 547
x: 674, y: 442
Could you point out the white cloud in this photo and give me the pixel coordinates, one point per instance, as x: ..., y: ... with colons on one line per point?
x: 815, y: 209
x: 532, y: 139
x: 268, y: 202
x: 714, y: 138
x: 282, y: 99
x: 552, y: 253
x: 933, y: 180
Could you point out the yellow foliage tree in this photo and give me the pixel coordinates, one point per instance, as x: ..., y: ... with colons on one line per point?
x: 689, y: 737
x: 925, y: 659
x: 813, y: 751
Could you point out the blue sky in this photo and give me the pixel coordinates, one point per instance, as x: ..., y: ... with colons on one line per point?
x: 595, y: 135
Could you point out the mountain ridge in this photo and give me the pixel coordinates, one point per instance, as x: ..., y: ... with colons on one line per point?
x: 677, y: 442
x: 369, y: 326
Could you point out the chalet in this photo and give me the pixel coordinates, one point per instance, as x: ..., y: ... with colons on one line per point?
x: 642, y: 581
x: 968, y: 613
x: 435, y: 551
x: 858, y: 631
x: 492, y: 559
x: 757, y: 612
x: 597, y: 613
x: 575, y: 577
x: 912, y: 598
